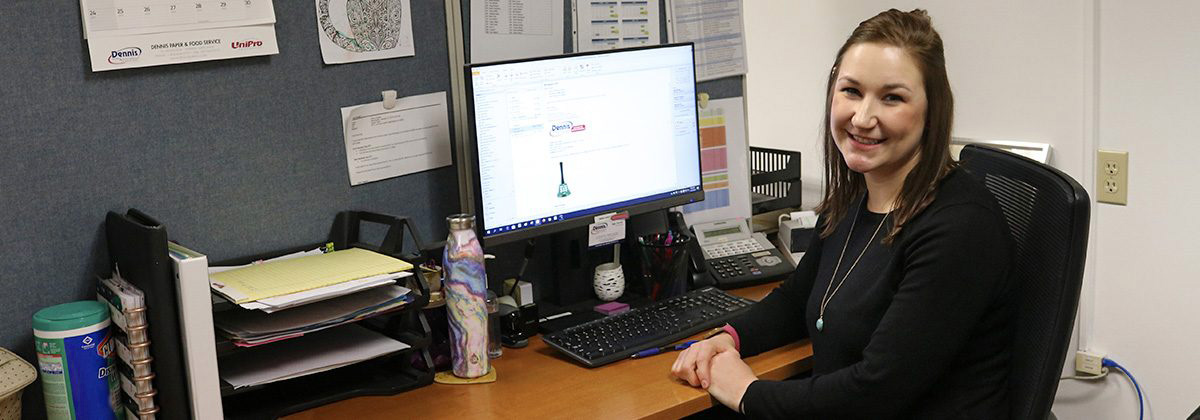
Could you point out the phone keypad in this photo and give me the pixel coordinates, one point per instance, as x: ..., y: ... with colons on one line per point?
x: 735, y: 266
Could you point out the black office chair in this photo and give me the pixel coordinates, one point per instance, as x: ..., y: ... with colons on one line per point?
x: 1047, y: 214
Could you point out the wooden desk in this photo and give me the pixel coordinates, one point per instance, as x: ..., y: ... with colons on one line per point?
x: 538, y: 381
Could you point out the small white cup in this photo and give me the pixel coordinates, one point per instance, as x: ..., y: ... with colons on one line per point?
x: 609, y: 281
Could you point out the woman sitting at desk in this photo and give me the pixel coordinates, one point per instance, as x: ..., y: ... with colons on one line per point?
x: 903, y: 292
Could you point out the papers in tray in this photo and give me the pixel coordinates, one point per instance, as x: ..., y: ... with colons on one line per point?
x: 229, y: 282
x: 292, y: 275
x: 252, y: 328
x: 279, y: 303
x: 312, y: 353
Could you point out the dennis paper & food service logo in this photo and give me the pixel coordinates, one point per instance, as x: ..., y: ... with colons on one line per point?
x: 565, y: 127
x: 125, y: 55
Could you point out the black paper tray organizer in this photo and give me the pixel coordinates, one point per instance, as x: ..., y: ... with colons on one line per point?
x: 774, y: 179
x: 386, y: 375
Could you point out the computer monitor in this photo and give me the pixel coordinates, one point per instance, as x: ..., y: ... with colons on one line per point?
x: 559, y: 140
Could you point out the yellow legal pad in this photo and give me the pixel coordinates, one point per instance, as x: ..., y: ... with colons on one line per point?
x: 277, y: 278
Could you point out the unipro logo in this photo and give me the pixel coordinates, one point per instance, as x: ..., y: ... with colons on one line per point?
x: 565, y: 127
x: 249, y: 43
x: 125, y: 55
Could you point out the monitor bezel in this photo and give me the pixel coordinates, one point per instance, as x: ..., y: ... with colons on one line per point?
x: 578, y: 221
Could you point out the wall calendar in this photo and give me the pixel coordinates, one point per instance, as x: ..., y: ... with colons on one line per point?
x: 139, y: 33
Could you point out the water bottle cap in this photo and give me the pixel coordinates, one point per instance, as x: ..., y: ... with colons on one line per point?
x: 461, y: 221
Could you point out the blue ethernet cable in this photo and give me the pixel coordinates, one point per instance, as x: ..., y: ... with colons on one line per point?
x: 1106, y: 362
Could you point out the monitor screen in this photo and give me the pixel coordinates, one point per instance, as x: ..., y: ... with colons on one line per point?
x: 560, y: 140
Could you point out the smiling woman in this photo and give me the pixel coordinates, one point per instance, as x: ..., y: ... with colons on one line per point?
x: 907, y: 321
x: 877, y: 114
x: 899, y: 56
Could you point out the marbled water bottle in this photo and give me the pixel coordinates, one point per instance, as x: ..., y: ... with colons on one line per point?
x: 465, y: 286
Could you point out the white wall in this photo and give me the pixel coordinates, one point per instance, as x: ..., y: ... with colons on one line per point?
x: 1004, y: 88
x: 1076, y: 74
x: 789, y: 47
x: 1145, y: 253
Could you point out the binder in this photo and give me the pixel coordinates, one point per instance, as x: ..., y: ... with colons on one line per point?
x: 127, y: 305
x: 196, y: 323
x: 137, y: 244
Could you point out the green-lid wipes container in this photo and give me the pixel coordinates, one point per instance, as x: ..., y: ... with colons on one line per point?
x: 75, y: 356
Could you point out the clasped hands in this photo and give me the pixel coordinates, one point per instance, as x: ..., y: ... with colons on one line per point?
x: 715, y: 365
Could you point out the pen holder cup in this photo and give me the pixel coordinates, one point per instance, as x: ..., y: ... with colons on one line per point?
x: 609, y: 281
x: 664, y: 258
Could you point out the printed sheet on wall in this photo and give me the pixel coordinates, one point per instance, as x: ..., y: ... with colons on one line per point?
x: 724, y: 166
x: 514, y: 29
x: 715, y: 26
x: 608, y: 25
x: 125, y: 34
x: 363, y: 30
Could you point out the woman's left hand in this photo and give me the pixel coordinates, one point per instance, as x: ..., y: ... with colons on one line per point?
x: 730, y: 378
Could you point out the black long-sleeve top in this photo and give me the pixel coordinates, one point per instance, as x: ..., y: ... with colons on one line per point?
x: 919, y: 329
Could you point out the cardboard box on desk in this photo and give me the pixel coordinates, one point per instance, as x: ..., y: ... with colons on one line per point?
x: 522, y: 294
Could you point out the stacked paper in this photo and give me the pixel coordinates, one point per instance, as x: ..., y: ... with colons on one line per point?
x: 306, y: 355
x: 295, y: 280
x: 253, y: 328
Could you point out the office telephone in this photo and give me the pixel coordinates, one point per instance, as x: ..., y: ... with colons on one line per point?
x: 735, y: 257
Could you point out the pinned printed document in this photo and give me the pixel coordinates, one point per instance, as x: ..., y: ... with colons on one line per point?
x: 607, y: 25
x: 724, y: 164
x: 511, y: 29
x: 715, y: 26
x: 382, y: 141
x: 361, y: 30
x: 277, y: 278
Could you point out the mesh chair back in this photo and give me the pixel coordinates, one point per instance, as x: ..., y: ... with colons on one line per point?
x: 1047, y: 215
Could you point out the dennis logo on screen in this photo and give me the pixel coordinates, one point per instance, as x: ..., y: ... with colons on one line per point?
x: 565, y: 127
x: 249, y: 43
x: 125, y: 55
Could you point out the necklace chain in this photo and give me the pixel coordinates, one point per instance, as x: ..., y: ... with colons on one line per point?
x: 829, y: 296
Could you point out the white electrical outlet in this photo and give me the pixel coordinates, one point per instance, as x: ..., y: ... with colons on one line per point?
x: 1088, y: 363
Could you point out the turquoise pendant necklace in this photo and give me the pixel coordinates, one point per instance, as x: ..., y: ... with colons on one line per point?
x: 829, y: 296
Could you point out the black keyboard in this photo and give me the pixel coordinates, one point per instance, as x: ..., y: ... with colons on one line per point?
x: 617, y: 337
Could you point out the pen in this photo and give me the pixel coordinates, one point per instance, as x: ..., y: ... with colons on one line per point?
x: 555, y: 316
x: 656, y: 350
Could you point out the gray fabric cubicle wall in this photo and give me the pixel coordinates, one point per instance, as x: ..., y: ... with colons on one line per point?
x: 235, y: 157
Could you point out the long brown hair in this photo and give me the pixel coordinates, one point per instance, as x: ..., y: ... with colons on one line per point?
x: 912, y: 31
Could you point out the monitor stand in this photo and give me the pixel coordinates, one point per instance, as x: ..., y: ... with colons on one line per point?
x: 570, y: 291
